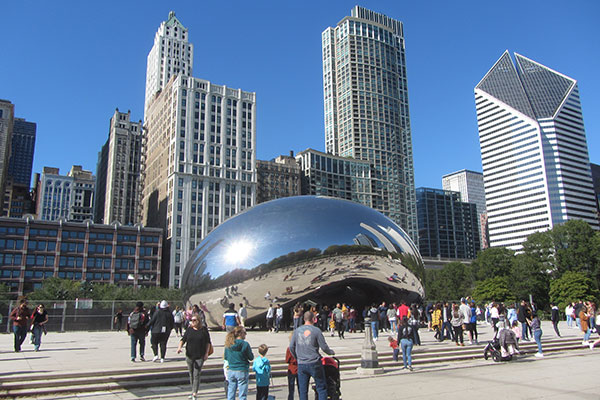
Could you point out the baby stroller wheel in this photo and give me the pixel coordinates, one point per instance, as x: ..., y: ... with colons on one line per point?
x: 497, y: 357
x: 486, y: 353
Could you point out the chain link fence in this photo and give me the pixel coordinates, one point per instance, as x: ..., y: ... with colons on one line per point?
x: 81, y: 314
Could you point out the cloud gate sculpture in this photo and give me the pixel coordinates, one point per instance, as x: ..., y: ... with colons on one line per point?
x: 302, y: 249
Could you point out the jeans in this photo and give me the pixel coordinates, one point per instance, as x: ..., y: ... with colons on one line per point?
x: 20, y: 335
x: 351, y: 322
x: 569, y: 321
x: 395, y: 353
x: 316, y: 370
x: 447, y: 332
x: 586, y: 336
x: 237, y: 379
x: 292, y: 381
x: 37, y: 336
x: 374, y: 328
x: 194, y: 369
x: 135, y: 338
x: 296, y: 322
x: 538, y: 339
x: 407, y: 346
x: 524, y: 328
x: 393, y: 325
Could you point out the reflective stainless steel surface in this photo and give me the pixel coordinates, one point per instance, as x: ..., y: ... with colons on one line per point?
x: 302, y: 248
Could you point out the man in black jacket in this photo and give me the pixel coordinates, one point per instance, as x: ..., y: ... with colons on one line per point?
x: 522, y: 318
x: 161, y: 324
x: 555, y: 318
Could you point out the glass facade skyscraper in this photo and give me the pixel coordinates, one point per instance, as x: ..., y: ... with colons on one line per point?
x: 534, y: 150
x: 366, y: 107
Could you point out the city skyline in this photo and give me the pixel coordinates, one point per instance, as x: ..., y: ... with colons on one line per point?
x: 55, y: 60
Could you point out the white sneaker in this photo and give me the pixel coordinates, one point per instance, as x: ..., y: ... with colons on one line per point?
x: 585, y: 343
x: 155, y: 359
x: 591, y: 346
x: 470, y: 342
x: 539, y: 355
x: 162, y: 360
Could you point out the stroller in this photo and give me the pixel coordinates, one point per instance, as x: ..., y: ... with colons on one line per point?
x: 332, y: 377
x: 494, y: 347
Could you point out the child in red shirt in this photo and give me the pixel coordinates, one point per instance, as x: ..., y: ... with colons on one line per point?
x: 394, y: 346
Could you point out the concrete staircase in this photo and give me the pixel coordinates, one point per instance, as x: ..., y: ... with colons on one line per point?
x: 47, y: 384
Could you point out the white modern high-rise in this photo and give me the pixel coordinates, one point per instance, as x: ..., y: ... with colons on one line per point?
x: 533, y: 149
x: 171, y: 54
x: 366, y: 107
x: 199, y: 163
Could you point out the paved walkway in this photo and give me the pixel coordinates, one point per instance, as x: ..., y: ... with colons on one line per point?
x: 94, y: 351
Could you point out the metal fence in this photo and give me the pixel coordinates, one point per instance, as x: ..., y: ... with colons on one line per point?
x: 81, y: 314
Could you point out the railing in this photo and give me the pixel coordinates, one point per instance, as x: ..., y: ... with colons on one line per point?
x: 81, y: 314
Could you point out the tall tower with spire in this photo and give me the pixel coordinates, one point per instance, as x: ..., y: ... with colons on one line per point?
x: 534, y: 153
x: 171, y: 54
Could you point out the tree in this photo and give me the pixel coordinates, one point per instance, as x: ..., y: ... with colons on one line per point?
x: 528, y: 276
x: 577, y: 248
x: 493, y: 289
x: 449, y: 283
x: 57, y: 289
x: 572, y: 286
x: 492, y: 262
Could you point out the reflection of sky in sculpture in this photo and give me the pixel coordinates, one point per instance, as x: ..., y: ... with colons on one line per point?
x: 278, y: 227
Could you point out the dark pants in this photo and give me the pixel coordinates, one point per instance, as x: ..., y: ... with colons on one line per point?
x: 555, y: 325
x: 340, y: 328
x: 20, y: 335
x: 417, y: 338
x: 135, y: 338
x: 262, y: 392
x: 159, y: 339
x: 292, y: 381
x: 458, y: 334
x: 316, y: 370
x: 447, y: 331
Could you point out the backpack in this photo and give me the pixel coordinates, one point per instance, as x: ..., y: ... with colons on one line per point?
x: 135, y: 318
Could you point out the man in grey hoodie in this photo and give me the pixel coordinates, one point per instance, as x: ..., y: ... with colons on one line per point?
x: 304, y: 346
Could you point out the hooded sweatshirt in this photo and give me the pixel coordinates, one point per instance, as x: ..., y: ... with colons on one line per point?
x: 239, y: 355
x: 262, y: 369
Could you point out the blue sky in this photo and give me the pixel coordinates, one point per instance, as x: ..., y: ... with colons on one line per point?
x: 68, y: 64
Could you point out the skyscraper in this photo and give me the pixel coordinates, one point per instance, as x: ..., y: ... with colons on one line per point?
x: 366, y: 107
x: 21, y: 157
x: 68, y: 197
x: 7, y: 117
x: 171, y: 54
x: 199, y: 157
x: 119, y: 165
x: 534, y: 151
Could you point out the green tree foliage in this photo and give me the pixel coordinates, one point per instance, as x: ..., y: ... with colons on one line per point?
x: 577, y: 248
x: 572, y: 286
x: 449, y: 283
x: 495, y: 261
x: 492, y: 289
x: 528, y: 276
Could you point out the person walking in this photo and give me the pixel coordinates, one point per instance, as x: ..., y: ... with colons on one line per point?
x: 243, y: 314
x: 231, y: 319
x: 536, y: 329
x: 161, y: 325
x: 20, y: 317
x: 137, y: 329
x: 338, y: 317
x: 555, y: 318
x: 405, y: 338
x: 119, y: 319
x: 304, y: 346
x: 39, y: 318
x: 197, y: 349
x: 178, y: 318
x: 238, y: 355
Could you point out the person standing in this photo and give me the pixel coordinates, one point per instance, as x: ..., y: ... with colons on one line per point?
x: 119, y: 319
x: 536, y: 328
x: 405, y: 337
x: 243, y: 314
x: 304, y: 346
x: 196, y: 351
x: 162, y: 324
x: 137, y: 330
x: 522, y: 318
x: 270, y: 318
x: 436, y: 322
x: 238, y: 355
x: 584, y: 318
x: 292, y: 373
x: 465, y: 310
x: 278, y: 317
x: 39, y: 318
x: 391, y: 316
x: 555, y: 318
x: 262, y: 371
x: 178, y: 318
x: 374, y: 321
x: 231, y: 318
x: 447, y: 332
x: 338, y: 317
x: 20, y: 317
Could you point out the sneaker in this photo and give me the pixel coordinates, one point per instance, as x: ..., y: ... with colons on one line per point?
x: 591, y: 346
x: 410, y: 368
x: 155, y: 359
x: 470, y: 342
x: 462, y: 344
x: 539, y: 355
x: 585, y: 343
x: 142, y: 358
x: 162, y: 360
x: 457, y: 344
x: 133, y: 360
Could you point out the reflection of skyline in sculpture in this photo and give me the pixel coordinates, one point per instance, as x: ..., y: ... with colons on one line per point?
x: 252, y: 250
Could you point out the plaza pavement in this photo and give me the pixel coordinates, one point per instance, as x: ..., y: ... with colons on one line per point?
x: 560, y: 375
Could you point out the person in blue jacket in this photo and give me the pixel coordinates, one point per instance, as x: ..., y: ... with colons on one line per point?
x: 262, y: 370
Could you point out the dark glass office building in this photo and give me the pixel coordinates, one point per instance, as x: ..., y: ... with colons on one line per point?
x: 22, y: 147
x: 448, y: 227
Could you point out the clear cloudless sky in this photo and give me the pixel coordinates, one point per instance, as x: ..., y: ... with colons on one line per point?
x: 67, y: 65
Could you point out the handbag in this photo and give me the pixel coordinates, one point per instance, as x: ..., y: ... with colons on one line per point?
x: 210, y: 349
